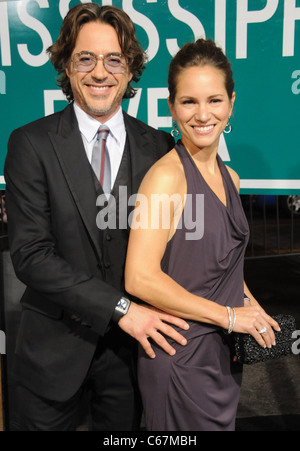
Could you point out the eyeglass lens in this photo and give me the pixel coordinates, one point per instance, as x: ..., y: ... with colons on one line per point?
x: 86, y: 62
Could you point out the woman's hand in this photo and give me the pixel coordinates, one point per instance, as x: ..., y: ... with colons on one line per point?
x: 255, y: 321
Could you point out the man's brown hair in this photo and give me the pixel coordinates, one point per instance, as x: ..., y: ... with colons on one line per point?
x: 61, y: 51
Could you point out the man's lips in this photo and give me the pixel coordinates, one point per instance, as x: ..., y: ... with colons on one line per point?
x: 98, y: 88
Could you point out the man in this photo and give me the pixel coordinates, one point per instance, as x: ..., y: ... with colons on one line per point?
x: 71, y: 342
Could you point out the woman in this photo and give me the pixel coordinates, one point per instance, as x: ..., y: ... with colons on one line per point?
x: 196, y: 275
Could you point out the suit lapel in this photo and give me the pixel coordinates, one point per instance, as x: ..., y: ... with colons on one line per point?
x: 71, y: 154
x: 142, y: 150
x: 69, y: 148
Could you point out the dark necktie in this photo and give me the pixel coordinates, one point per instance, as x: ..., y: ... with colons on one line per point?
x: 101, y: 160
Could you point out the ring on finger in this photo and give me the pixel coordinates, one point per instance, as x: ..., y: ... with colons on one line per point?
x: 263, y: 331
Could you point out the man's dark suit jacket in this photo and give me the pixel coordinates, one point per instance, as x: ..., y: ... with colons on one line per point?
x: 55, y: 249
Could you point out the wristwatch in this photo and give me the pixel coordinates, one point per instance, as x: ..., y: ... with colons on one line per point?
x: 121, y: 309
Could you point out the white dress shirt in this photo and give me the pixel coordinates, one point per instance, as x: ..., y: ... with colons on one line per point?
x: 89, y: 126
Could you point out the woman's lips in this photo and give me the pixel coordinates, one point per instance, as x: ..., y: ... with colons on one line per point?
x: 203, y: 130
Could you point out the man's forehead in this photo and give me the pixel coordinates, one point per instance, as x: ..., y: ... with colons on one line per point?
x: 97, y: 37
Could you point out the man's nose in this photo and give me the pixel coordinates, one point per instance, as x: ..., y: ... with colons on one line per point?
x: 100, y: 71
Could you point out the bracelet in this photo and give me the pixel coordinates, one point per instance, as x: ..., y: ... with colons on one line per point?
x: 234, y: 318
x: 231, y: 324
x: 230, y: 320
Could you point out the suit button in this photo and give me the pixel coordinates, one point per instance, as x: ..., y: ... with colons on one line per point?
x: 75, y: 318
x: 106, y: 265
x: 108, y: 237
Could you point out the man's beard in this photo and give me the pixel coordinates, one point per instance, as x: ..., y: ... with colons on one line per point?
x: 109, y: 110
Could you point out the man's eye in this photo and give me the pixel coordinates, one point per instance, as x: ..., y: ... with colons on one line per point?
x: 85, y: 60
x: 114, y: 60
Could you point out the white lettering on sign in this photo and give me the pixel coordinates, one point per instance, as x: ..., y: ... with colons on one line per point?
x: 291, y: 14
x: 154, y: 120
x: 4, y: 36
x: 296, y: 84
x: 64, y: 6
x: 2, y: 82
x: 51, y: 96
x: 186, y: 17
x: 147, y: 25
x: 40, y: 29
x: 220, y: 23
x: 244, y: 19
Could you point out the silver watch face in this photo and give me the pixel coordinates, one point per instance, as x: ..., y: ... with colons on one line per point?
x: 123, y: 304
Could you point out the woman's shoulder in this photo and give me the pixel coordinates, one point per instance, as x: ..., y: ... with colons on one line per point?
x: 235, y: 177
x: 166, y: 174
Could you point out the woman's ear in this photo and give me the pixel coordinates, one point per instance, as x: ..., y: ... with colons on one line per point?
x: 232, y: 102
x: 171, y: 107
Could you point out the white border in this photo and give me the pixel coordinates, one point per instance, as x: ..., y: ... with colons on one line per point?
x: 270, y: 184
x: 249, y: 184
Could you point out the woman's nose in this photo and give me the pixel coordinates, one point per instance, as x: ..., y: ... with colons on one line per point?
x: 203, y: 113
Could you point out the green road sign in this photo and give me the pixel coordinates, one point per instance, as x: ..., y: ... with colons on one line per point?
x: 261, y: 38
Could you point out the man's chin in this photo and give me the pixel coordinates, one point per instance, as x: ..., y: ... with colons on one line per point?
x: 100, y: 113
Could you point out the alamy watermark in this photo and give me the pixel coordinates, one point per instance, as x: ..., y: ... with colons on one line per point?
x: 139, y: 212
x: 296, y: 343
x: 2, y: 342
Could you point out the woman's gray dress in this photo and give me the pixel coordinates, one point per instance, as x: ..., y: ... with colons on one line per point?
x: 198, y: 389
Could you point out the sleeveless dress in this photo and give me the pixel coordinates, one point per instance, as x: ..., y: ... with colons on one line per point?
x: 198, y: 389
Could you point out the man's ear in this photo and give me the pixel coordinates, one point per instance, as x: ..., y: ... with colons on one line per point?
x: 67, y: 69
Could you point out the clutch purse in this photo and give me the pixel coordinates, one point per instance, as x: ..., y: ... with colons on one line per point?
x: 249, y: 352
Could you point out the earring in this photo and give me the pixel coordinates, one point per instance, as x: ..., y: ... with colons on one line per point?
x: 228, y: 128
x: 175, y: 132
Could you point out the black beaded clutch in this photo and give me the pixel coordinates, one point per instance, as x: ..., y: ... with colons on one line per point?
x: 249, y: 352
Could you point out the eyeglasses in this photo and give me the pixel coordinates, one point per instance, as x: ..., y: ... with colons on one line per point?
x: 115, y: 63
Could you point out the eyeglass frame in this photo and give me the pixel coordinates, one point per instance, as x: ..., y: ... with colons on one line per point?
x: 98, y: 58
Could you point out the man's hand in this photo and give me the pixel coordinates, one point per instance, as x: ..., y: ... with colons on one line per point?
x: 143, y: 322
